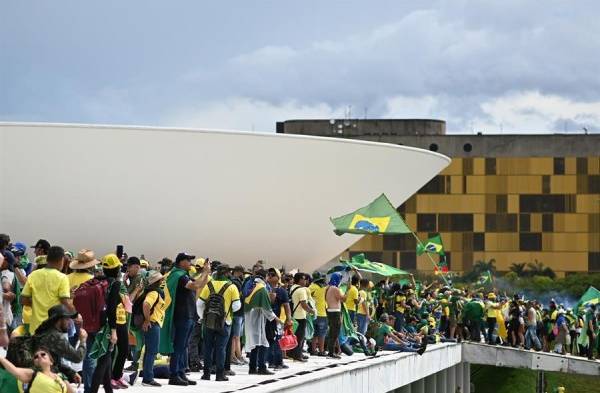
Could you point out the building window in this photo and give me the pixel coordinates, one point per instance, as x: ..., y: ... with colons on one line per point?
x: 594, y: 261
x: 455, y: 223
x: 426, y: 223
x: 530, y: 242
x: 524, y: 223
x: 437, y: 185
x: 501, y: 223
x: 546, y: 184
x: 559, y: 165
x: 391, y: 242
x: 467, y: 166
x: 547, y: 223
x: 594, y: 184
x: 490, y: 166
x: 582, y: 165
x: 501, y: 203
x: 478, y: 241
x: 408, y: 260
x: 547, y: 203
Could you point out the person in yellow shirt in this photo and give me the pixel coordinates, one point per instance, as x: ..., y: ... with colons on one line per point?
x: 363, y: 313
x: 491, y: 309
x: 46, y: 287
x: 300, y: 308
x: 81, y: 266
x: 352, y: 298
x: 317, y: 291
x: 42, y: 379
x: 215, y: 342
x: 154, y: 314
x: 399, y: 308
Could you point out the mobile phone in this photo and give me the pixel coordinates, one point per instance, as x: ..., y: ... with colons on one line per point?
x: 119, y: 251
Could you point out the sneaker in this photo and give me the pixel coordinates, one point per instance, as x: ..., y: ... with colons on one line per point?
x: 189, y: 381
x: 305, y: 357
x: 121, y: 382
x: 151, y: 383
x: 252, y: 371
x: 229, y: 373
x: 222, y: 378
x: 132, y: 367
x: 115, y: 385
x: 177, y: 382
x: 264, y: 371
x: 205, y: 377
x: 299, y: 360
x: 132, y: 378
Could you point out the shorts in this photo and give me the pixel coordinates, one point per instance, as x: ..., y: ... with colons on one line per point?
x: 237, y: 326
x: 321, y: 326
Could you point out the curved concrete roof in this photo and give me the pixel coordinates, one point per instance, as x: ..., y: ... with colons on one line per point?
x: 233, y: 196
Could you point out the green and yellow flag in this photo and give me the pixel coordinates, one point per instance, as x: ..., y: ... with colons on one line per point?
x: 433, y: 245
x: 170, y: 290
x: 378, y: 217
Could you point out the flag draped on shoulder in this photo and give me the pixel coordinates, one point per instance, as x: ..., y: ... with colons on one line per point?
x: 378, y: 217
x: 170, y: 290
x: 258, y: 298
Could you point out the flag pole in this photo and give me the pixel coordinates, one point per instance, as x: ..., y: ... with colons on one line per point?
x: 430, y: 258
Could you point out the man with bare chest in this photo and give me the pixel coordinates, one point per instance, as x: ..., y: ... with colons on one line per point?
x: 334, y: 299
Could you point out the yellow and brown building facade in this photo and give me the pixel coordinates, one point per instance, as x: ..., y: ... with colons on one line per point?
x: 511, y: 198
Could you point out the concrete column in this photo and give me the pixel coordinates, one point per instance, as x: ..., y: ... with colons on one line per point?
x: 466, y: 388
x: 451, y: 379
x: 431, y: 384
x: 441, y: 381
x: 418, y: 386
x: 458, y: 371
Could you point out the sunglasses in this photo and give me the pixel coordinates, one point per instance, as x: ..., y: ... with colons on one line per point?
x: 40, y: 355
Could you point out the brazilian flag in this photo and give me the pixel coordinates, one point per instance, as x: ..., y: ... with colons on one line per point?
x: 433, y: 245
x: 378, y: 217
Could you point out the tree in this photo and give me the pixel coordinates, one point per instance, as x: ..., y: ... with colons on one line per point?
x: 518, y: 268
x: 537, y: 268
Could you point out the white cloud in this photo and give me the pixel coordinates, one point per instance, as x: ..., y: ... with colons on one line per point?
x: 242, y: 113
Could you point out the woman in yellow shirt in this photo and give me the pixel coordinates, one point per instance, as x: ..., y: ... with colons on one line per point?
x: 43, y: 380
x: 154, y: 314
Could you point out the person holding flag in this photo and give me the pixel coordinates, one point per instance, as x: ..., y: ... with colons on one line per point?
x: 180, y: 314
x: 434, y: 245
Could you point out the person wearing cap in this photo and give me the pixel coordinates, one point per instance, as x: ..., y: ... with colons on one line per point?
x: 133, y: 277
x: 317, y: 291
x: 50, y: 335
x: 19, y: 250
x: 46, y: 287
x: 215, y: 342
x: 41, y: 247
x: 100, y: 373
x: 180, y: 316
x: 154, y: 315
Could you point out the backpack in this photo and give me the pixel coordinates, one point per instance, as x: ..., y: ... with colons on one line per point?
x: 137, y: 311
x: 90, y: 301
x: 214, y: 312
x: 20, y: 351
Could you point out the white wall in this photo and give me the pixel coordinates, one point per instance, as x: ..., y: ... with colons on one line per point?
x: 233, y: 196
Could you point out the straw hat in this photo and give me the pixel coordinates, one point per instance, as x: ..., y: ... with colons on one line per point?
x: 154, y: 277
x: 84, y: 260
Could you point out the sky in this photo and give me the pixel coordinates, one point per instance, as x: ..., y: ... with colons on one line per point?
x: 483, y: 66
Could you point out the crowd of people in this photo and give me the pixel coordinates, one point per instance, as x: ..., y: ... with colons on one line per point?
x: 70, y: 318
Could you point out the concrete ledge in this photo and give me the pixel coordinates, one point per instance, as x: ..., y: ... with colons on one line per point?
x: 518, y: 358
x: 373, y: 375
